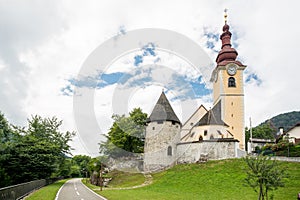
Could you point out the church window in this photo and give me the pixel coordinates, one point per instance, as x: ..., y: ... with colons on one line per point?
x: 232, y: 128
x: 169, y: 151
x: 205, y: 132
x: 231, y: 82
x: 232, y: 103
x: 177, y: 126
x: 200, y: 138
x: 153, y: 128
x: 231, y: 115
x: 211, y: 136
x: 192, y: 124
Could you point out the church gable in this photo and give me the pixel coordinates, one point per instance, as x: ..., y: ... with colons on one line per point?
x: 209, y: 126
x: 212, y: 117
x: 190, y: 123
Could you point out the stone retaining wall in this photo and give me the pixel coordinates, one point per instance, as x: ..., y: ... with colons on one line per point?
x: 211, y: 150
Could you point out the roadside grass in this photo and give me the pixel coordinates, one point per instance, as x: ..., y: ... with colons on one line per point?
x: 48, y: 192
x: 122, y: 179
x: 212, y: 180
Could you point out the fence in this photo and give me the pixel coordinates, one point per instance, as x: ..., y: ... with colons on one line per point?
x: 19, y: 191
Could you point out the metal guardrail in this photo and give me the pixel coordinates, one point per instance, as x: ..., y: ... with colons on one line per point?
x: 19, y: 191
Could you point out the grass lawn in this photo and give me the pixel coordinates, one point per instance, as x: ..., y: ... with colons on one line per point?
x: 48, y: 192
x: 212, y: 180
x: 122, y: 179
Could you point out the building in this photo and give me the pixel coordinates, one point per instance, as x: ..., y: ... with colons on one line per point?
x: 293, y: 134
x: 217, y: 133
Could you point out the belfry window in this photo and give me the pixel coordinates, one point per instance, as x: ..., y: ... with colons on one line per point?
x: 231, y: 82
x: 169, y: 151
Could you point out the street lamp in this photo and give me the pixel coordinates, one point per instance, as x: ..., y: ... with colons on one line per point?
x: 288, y: 143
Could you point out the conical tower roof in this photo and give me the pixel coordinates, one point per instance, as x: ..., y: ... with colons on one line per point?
x: 163, y: 111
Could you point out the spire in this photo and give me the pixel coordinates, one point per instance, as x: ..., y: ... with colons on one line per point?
x: 227, y: 53
x: 163, y: 111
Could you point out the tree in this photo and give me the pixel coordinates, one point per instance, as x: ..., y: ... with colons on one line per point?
x: 7, y: 136
x: 82, y: 162
x: 126, y: 136
x: 36, y: 152
x: 264, y: 131
x: 264, y: 175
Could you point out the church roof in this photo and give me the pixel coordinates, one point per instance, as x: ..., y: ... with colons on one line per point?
x: 212, y: 117
x: 163, y: 111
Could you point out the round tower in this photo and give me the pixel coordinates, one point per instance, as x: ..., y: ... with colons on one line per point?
x: 162, y: 136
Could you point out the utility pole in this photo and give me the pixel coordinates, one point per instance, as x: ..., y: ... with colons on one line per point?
x: 250, y: 134
x: 101, y: 178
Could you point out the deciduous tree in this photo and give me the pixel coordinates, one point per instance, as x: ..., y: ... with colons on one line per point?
x: 263, y: 175
x: 126, y: 135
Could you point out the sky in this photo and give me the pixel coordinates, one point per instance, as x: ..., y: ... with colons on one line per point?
x: 83, y: 61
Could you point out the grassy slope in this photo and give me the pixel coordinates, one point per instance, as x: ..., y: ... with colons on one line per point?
x: 213, y: 180
x: 48, y: 192
x: 121, y: 179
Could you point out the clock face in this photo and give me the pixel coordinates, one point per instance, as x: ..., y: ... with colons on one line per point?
x: 231, y: 70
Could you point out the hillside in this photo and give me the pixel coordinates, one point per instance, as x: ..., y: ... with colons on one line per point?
x: 212, y: 180
x: 285, y: 120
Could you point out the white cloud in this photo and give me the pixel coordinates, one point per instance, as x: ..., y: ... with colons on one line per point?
x: 43, y: 44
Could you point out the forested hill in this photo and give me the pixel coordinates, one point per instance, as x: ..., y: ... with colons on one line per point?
x: 285, y: 120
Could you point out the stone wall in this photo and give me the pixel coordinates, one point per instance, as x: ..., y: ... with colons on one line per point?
x: 160, y: 137
x: 132, y: 164
x: 287, y: 159
x: 210, y: 149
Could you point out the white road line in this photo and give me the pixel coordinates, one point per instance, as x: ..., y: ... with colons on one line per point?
x: 57, y: 194
x: 77, y: 193
x: 93, y: 191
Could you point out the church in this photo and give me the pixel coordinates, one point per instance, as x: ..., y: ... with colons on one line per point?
x: 216, y: 133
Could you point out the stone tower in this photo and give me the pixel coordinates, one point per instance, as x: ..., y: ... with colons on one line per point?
x: 228, y: 87
x: 162, y: 136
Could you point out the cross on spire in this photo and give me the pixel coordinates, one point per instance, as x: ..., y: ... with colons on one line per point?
x: 225, y: 15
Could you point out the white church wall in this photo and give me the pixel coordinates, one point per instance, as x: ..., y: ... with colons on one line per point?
x: 213, y: 150
x: 189, y: 124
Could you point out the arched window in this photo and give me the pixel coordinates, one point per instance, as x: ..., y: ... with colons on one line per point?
x: 169, y: 151
x: 231, y: 82
x: 200, y: 138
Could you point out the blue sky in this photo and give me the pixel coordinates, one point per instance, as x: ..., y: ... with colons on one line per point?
x: 197, y: 86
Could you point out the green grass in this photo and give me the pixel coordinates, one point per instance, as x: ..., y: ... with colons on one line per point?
x: 48, y: 192
x: 212, y: 180
x: 123, y: 179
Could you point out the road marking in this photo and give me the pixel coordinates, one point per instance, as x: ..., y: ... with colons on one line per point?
x: 92, y: 191
x: 57, y: 194
x: 77, y: 193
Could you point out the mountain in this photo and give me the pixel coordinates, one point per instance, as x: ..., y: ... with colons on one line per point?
x: 285, y: 120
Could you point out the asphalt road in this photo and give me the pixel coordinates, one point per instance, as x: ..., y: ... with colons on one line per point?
x: 74, y: 189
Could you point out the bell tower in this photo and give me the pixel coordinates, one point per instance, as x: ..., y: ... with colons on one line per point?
x: 228, y: 86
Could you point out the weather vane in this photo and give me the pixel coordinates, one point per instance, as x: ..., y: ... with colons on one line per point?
x: 225, y: 15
